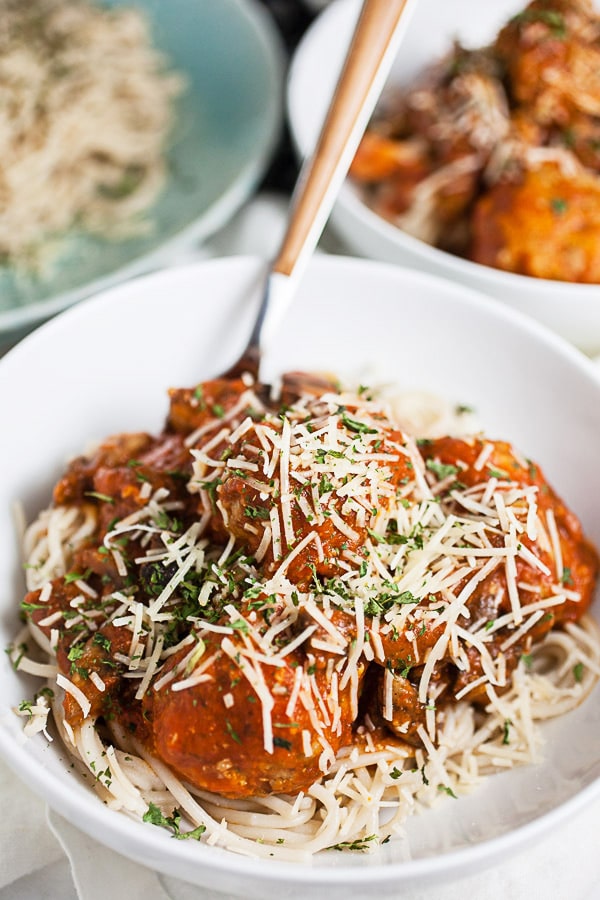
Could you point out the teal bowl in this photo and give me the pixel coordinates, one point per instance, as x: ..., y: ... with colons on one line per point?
x: 228, y: 122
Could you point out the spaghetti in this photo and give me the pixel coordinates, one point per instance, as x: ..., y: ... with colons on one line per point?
x: 285, y: 628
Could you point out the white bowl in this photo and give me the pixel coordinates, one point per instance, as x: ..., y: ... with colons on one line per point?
x: 572, y: 310
x: 105, y: 365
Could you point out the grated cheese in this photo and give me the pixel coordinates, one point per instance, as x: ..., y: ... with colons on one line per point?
x: 389, y: 557
x: 75, y: 692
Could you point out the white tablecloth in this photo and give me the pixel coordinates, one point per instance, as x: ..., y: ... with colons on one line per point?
x: 42, y: 856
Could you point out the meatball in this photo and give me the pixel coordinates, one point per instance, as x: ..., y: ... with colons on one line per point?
x: 426, y: 177
x: 552, y: 59
x: 474, y: 462
x: 251, y: 728
x: 553, y: 559
x: 545, y: 223
x: 205, y: 404
x: 284, y: 488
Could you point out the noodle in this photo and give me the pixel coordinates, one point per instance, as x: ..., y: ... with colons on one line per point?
x: 370, y: 785
x: 86, y: 113
x: 292, y: 829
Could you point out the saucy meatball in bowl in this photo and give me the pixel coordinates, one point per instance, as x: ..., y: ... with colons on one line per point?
x: 480, y: 162
x: 301, y: 634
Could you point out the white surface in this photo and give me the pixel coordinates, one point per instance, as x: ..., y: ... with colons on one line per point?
x: 545, y: 868
x: 571, y: 310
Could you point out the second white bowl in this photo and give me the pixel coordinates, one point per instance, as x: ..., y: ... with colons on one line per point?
x: 571, y: 310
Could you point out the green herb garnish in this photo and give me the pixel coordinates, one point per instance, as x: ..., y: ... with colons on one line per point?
x: 98, y: 496
x: 256, y: 512
x: 559, y: 205
x: 70, y: 577
x: 156, y: 817
x: 447, y: 790
x: 441, y: 470
x: 360, y: 845
x: 231, y: 731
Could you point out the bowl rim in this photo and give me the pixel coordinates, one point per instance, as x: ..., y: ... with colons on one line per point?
x: 349, y: 200
x: 268, y: 39
x: 135, y: 840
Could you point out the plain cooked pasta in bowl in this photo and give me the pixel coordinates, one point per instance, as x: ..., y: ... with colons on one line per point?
x: 88, y: 108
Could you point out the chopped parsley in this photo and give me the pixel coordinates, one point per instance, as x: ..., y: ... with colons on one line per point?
x: 98, y: 496
x: 325, y: 486
x: 321, y: 453
x: 405, y: 666
x: 527, y: 660
x: 559, y: 205
x: 31, y: 607
x: 441, y: 470
x: 231, y: 731
x: 443, y: 788
x: 74, y: 655
x: 102, y: 641
x: 129, y: 182
x: 382, y: 603
x: 360, y: 845
x: 44, y: 692
x: 566, y: 577
x: 154, y: 815
x: 550, y: 17
x: 211, y: 489
x: 166, y: 522
x: 498, y: 473
x: 26, y: 706
x: 356, y: 426
x: 70, y: 577
x: 256, y: 512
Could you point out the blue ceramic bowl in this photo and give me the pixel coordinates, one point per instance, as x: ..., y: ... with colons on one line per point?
x: 228, y: 121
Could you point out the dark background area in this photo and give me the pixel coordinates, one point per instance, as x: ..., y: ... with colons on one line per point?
x: 292, y: 18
